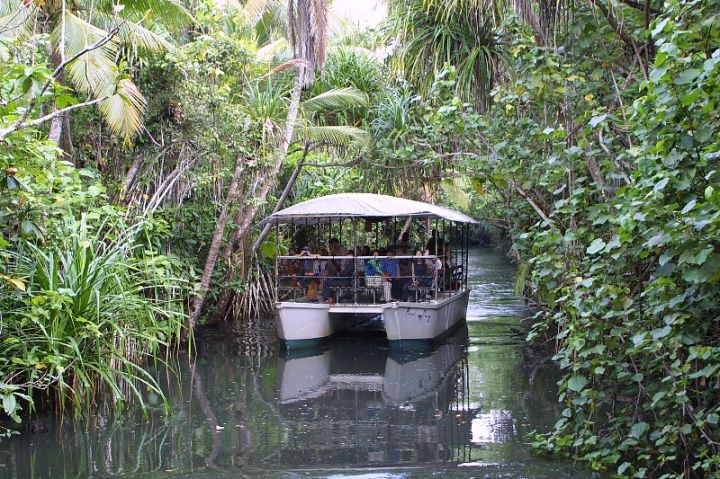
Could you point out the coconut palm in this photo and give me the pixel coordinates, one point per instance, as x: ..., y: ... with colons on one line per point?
x: 78, y: 25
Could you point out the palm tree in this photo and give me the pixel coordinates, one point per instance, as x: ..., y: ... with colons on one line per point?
x: 433, y: 33
x: 307, y: 25
x: 77, y: 25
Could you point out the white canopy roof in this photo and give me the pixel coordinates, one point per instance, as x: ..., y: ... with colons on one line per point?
x: 363, y: 205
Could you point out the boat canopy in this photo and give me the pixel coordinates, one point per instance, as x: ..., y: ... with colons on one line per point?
x: 362, y: 205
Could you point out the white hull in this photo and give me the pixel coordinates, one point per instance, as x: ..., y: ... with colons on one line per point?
x: 400, y: 382
x: 403, y: 321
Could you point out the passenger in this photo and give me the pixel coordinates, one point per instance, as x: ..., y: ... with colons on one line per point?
x: 420, y: 275
x: 391, y: 270
x: 310, y: 268
x: 334, y: 245
x: 359, y: 265
x: 435, y: 243
x: 331, y: 271
x: 321, y: 262
x: 289, y: 268
x: 374, y: 277
x: 404, y: 272
x: 347, y: 267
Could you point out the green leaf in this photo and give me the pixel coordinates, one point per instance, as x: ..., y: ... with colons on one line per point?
x: 9, y: 404
x: 597, y: 245
x: 594, y: 121
x: 577, y: 382
x: 687, y: 76
x: 63, y: 101
x: 638, y: 429
x: 657, y: 73
x: 660, y: 185
x: 661, y: 333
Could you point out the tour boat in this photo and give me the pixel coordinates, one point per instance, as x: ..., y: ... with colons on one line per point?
x: 409, y: 283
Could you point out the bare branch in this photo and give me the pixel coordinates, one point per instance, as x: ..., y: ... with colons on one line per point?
x: 6, y: 131
x: 530, y: 201
x: 20, y: 123
x: 9, y: 21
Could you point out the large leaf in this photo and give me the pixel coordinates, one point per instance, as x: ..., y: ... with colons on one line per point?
x: 133, y: 33
x: 343, y: 136
x: 123, y: 110
x: 15, y: 19
x: 94, y: 71
x: 335, y: 99
x: 169, y: 12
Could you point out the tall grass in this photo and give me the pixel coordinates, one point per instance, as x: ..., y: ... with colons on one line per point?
x: 95, y: 309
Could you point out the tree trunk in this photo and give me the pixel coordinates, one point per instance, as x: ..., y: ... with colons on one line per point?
x: 130, y: 178
x: 246, y: 217
x: 198, y: 301
x: 286, y: 192
x: 56, y: 128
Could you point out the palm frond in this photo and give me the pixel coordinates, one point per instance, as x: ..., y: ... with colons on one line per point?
x: 272, y: 24
x: 96, y: 74
x: 460, y: 33
x: 15, y: 19
x: 254, y: 9
x: 123, y: 110
x: 335, y: 99
x: 342, y: 136
x: 133, y: 33
x: 94, y: 71
x: 272, y: 50
x: 170, y: 12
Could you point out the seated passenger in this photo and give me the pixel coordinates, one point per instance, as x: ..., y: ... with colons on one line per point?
x: 422, y: 274
x: 374, y: 277
x: 391, y: 270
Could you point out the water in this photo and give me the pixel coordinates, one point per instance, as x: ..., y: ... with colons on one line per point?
x: 351, y: 410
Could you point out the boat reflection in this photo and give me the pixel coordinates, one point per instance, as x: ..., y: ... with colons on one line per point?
x: 353, y: 404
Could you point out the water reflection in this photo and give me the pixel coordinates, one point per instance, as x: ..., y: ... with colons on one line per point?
x: 353, y: 409
x: 355, y: 405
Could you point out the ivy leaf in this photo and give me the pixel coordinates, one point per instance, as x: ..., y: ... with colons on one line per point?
x: 577, y: 383
x: 638, y: 429
x: 687, y: 76
x: 660, y: 185
x: 594, y: 121
x: 689, y: 206
x: 657, y: 74
x: 597, y: 245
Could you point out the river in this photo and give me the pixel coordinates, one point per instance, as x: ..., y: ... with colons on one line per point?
x: 353, y: 409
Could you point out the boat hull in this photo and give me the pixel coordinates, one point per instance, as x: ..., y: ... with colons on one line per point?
x: 406, y: 324
x: 416, y: 324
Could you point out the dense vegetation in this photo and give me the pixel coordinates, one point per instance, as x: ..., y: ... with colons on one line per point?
x: 585, y: 135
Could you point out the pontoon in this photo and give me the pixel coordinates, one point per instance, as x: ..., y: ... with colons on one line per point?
x: 412, y: 286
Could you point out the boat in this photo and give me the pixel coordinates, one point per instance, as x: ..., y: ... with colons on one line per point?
x: 328, y: 284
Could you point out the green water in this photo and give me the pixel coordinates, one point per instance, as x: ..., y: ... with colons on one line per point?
x: 352, y: 409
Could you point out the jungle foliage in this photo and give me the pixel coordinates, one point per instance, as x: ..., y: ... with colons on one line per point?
x: 618, y: 235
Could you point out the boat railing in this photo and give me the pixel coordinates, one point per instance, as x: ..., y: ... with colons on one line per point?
x: 366, y: 279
